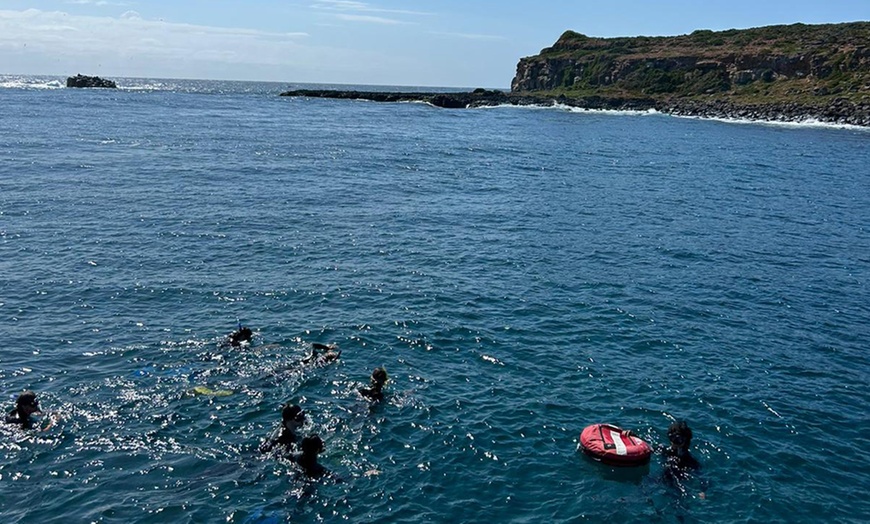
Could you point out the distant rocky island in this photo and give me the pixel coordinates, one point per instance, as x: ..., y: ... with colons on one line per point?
x: 89, y: 81
x: 778, y: 73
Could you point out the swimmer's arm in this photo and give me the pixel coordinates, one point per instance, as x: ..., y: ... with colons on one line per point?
x: 312, y: 357
x: 705, y: 485
x: 52, y: 420
x: 330, y: 356
x: 270, y: 443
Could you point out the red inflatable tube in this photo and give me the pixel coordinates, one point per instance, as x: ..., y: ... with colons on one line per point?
x: 606, y: 443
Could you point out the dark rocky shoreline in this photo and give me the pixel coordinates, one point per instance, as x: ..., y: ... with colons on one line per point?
x: 479, y: 98
x: 839, y: 111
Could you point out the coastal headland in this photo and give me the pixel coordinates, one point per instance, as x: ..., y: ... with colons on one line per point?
x: 776, y: 73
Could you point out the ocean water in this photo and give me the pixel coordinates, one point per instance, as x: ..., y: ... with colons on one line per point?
x: 520, y: 273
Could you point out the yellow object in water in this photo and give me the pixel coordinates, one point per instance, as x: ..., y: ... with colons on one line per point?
x: 203, y: 390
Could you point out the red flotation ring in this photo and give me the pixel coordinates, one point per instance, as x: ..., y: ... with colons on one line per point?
x: 606, y: 443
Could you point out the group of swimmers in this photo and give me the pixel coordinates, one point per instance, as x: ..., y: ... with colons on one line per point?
x: 678, y: 460
x: 285, y: 441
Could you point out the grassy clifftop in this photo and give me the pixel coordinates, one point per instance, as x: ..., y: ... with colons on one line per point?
x: 778, y: 73
x: 806, y: 64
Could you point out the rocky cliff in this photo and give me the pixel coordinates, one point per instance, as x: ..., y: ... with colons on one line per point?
x: 808, y: 65
x: 778, y: 73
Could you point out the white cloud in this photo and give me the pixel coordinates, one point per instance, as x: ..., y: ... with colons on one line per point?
x: 469, y: 36
x: 54, y: 42
x: 341, y: 5
x: 100, y: 3
x: 128, y: 45
x: 361, y: 7
x: 132, y: 38
x: 369, y: 19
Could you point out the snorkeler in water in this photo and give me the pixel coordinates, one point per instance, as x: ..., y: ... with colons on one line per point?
x: 679, y: 464
x: 378, y: 379
x: 312, y: 446
x: 321, y: 355
x: 292, y: 419
x: 26, y: 405
x: 243, y: 334
x: 329, y: 354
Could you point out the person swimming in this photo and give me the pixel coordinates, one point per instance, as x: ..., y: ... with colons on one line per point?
x: 25, y: 407
x: 679, y: 464
x: 330, y: 354
x: 292, y: 418
x: 312, y: 446
x: 243, y: 334
x: 378, y: 379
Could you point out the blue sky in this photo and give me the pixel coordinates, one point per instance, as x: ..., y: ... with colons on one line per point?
x: 380, y: 42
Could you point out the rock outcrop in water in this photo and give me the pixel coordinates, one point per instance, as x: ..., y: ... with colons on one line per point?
x: 838, y: 111
x: 89, y: 81
x: 788, y: 72
x: 476, y: 98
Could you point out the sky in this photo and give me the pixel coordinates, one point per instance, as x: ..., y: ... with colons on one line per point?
x: 447, y: 43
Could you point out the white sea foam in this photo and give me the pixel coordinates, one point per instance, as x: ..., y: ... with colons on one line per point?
x: 572, y: 109
x: 30, y: 82
x: 124, y: 84
x: 151, y: 85
x: 805, y: 123
x: 630, y: 112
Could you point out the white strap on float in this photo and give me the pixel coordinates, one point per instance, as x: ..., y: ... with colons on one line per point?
x: 617, y: 441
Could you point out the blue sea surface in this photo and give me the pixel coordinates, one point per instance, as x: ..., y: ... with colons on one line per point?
x: 521, y: 273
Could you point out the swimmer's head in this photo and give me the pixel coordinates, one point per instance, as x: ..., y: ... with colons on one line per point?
x: 244, y: 334
x: 27, y: 401
x: 379, y: 376
x: 312, y: 445
x: 680, y: 435
x: 292, y: 413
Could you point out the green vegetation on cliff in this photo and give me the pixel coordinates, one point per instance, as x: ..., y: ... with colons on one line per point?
x: 809, y: 64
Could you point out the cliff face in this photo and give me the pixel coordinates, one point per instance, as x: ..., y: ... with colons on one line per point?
x: 778, y: 73
x: 770, y: 64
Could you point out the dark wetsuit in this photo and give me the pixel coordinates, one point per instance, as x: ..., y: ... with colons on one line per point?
x: 372, y: 393
x: 16, y: 417
x: 284, y: 441
x: 242, y: 335
x: 678, y: 469
x: 321, y: 359
x: 309, y: 465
